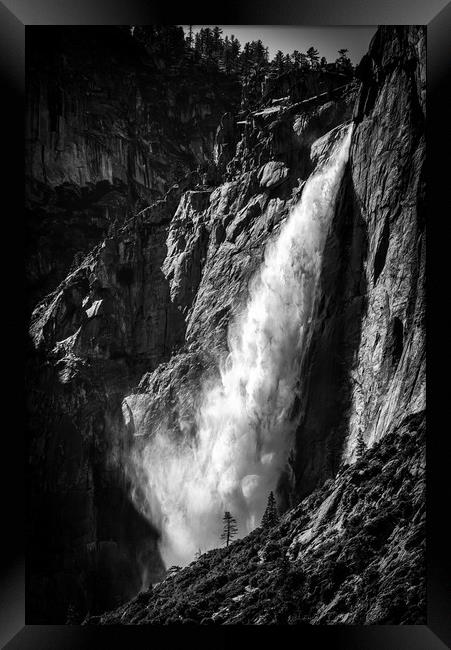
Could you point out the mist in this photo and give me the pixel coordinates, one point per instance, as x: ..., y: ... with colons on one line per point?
x: 244, y: 425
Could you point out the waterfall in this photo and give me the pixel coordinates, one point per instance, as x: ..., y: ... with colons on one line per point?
x: 244, y: 426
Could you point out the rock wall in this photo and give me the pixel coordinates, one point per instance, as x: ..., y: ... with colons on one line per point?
x: 388, y: 162
x: 124, y: 339
x: 367, y: 365
x: 351, y: 553
x: 108, y: 322
x: 111, y: 126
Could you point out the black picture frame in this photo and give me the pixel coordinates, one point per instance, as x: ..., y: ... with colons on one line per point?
x: 15, y: 16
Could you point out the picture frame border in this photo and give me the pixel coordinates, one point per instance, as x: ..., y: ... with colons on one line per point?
x: 15, y: 17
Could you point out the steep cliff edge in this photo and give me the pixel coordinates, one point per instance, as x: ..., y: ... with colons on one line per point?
x: 368, y: 350
x: 353, y: 552
x: 113, y: 121
x: 128, y: 335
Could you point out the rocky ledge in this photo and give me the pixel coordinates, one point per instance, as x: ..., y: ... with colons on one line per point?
x: 352, y: 552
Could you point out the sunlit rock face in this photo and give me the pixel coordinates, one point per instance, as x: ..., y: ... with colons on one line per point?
x: 227, y: 450
x: 389, y: 184
x: 367, y: 366
x: 111, y: 125
x: 130, y: 349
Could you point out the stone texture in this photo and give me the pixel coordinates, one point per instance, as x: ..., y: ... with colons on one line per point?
x: 122, y: 340
x: 108, y: 322
x: 388, y: 162
x: 272, y: 174
x: 110, y: 127
x: 350, y: 553
x: 368, y: 353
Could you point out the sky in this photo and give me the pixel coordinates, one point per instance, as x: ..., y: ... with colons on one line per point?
x: 328, y: 40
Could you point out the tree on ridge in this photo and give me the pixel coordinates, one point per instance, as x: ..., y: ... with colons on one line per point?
x: 271, y: 514
x: 230, y: 528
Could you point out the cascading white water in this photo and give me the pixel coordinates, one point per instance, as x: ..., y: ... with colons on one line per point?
x: 243, y: 426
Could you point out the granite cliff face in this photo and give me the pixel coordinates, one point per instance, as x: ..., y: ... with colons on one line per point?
x: 129, y: 335
x: 368, y: 354
x: 352, y: 552
x: 112, y: 123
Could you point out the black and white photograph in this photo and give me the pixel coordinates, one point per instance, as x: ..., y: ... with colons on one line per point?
x: 218, y: 297
x: 225, y: 271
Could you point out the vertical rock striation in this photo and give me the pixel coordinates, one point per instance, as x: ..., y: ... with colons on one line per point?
x: 127, y: 338
x: 367, y: 367
x: 113, y: 121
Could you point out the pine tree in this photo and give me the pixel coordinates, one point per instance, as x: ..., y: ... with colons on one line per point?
x: 204, y: 42
x: 245, y: 59
x: 217, y: 43
x: 343, y: 63
x: 271, y: 514
x: 278, y: 62
x: 230, y: 528
x: 259, y: 53
x: 304, y: 61
x: 296, y: 58
x: 313, y: 56
x: 288, y: 64
x: 360, y: 446
x: 235, y: 47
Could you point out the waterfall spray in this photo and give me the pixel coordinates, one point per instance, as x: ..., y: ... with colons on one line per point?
x: 243, y: 425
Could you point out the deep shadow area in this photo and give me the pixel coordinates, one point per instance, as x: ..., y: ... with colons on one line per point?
x: 325, y: 376
x: 88, y: 547
x: 381, y: 251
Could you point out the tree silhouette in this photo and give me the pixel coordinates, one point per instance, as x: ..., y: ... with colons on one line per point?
x: 230, y: 528
x: 343, y: 63
x: 288, y: 64
x: 303, y: 61
x: 235, y: 47
x: 313, y: 56
x: 278, y: 62
x: 296, y: 58
x: 190, y: 36
x: 271, y: 514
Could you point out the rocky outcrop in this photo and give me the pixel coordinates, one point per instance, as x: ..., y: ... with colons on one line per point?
x: 124, y: 340
x: 389, y: 183
x: 111, y: 125
x: 367, y: 358
x: 350, y: 553
x: 93, y: 338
